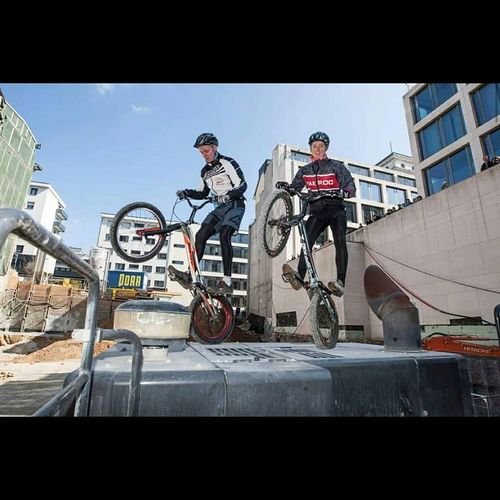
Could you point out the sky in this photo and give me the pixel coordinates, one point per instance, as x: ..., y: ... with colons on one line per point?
x: 107, y: 145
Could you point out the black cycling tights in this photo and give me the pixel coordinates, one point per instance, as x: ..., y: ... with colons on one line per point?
x: 208, y: 230
x: 316, y: 223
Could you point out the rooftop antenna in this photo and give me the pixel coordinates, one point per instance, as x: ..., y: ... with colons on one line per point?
x: 390, y: 145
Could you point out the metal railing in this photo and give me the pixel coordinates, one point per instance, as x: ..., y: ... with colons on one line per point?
x: 496, y: 313
x: 21, y: 224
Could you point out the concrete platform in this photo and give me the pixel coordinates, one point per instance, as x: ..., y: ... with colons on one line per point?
x: 31, y: 385
x: 284, y: 379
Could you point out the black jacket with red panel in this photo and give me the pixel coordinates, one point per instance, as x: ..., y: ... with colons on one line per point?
x: 324, y: 177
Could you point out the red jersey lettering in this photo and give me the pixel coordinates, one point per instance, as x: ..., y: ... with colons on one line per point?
x: 321, y: 182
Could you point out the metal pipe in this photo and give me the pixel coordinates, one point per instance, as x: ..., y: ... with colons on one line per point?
x: 21, y: 224
x: 390, y: 304
x: 496, y: 313
x: 50, y: 408
x: 137, y: 359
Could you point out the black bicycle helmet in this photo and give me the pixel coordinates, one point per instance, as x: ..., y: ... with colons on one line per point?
x: 319, y: 136
x: 206, y: 139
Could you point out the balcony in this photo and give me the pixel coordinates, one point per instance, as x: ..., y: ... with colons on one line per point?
x: 61, y: 214
x: 58, y: 227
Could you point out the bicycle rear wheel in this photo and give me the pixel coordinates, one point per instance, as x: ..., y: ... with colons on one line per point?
x: 211, y: 326
x: 324, y: 320
x: 126, y: 237
x: 273, y: 235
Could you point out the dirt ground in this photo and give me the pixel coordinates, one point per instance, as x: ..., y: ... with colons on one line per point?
x: 41, y: 349
x: 45, y: 348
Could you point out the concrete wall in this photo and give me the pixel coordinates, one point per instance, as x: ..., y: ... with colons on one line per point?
x: 454, y: 234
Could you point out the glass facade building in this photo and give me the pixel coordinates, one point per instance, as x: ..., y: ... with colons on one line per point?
x: 17, y: 150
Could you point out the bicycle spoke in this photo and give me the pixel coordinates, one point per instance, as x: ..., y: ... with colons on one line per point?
x: 132, y: 230
x: 324, y: 320
x: 214, y: 323
x: 275, y: 234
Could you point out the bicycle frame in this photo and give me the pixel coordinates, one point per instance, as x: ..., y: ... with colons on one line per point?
x: 188, y: 238
x: 298, y: 221
x: 197, y: 286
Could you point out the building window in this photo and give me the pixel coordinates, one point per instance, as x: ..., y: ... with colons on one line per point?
x: 395, y: 196
x: 135, y: 252
x: 239, y: 284
x: 33, y: 191
x: 138, y: 224
x: 240, y: 252
x: 30, y: 205
x: 430, y: 97
x: 383, y: 176
x: 162, y: 256
x: 370, y: 191
x: 240, y: 238
x: 149, y: 283
x: 136, y: 238
x: 211, y: 266
x: 150, y: 241
x: 239, y: 267
x: 133, y: 266
x: 179, y: 262
x: 303, y: 157
x: 147, y: 269
x: 179, y: 245
x: 212, y: 250
x: 19, y: 248
x: 486, y: 102
x: 442, y: 132
x: 369, y: 212
x: 123, y: 238
x: 160, y: 269
x: 356, y: 169
x: 159, y: 284
x: 406, y: 181
x: 491, y: 143
x: 119, y: 266
x: 107, y: 237
x: 451, y: 170
x: 350, y: 210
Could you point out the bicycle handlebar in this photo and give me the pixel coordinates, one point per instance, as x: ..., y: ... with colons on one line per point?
x: 313, y: 196
x: 197, y: 207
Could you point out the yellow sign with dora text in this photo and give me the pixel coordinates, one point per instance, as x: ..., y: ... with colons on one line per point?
x: 127, y: 280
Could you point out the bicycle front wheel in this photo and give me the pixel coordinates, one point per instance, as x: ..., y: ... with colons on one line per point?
x: 129, y: 232
x: 212, y: 318
x: 273, y: 235
x: 324, y: 320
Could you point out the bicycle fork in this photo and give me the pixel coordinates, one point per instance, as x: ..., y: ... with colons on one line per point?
x: 314, y: 282
x: 306, y: 249
x: 194, y: 268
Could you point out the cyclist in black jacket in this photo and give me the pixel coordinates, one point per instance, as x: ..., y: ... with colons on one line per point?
x: 223, y: 176
x: 326, y: 177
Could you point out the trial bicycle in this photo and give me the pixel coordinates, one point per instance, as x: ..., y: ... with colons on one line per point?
x: 278, y: 220
x: 138, y: 233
